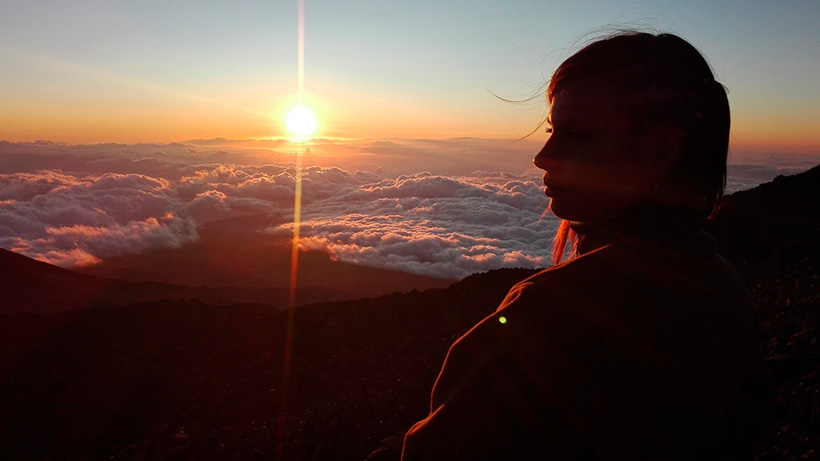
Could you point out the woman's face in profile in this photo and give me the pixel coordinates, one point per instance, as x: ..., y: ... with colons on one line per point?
x: 596, y: 160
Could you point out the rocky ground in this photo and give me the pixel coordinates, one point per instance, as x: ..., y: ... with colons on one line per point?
x: 180, y: 380
x: 789, y: 302
x: 772, y: 235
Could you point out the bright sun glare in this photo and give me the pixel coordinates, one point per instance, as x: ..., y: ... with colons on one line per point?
x: 301, y: 121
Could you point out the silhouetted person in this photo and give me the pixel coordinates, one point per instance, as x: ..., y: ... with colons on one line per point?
x: 643, y: 345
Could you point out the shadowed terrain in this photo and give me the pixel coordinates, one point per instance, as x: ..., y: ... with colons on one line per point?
x: 229, y: 265
x: 233, y: 253
x: 185, y: 378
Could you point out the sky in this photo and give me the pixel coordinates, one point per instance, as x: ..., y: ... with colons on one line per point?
x: 92, y: 71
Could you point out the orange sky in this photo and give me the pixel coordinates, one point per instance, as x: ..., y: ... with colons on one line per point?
x: 110, y: 72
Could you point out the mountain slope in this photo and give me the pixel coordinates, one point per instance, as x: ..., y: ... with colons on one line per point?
x: 31, y: 286
x: 236, y: 252
x: 777, y: 221
x: 180, y: 379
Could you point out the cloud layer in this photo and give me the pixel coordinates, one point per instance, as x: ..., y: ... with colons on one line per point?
x: 440, y: 208
x: 429, y: 224
x: 110, y: 200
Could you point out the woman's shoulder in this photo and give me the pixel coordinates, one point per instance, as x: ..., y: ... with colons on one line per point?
x: 633, y: 278
x: 691, y: 252
x: 585, y: 274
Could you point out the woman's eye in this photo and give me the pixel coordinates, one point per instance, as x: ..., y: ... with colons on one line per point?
x: 548, y: 130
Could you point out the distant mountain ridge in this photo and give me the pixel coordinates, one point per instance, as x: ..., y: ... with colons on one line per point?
x: 236, y: 252
x: 31, y: 286
x: 229, y: 266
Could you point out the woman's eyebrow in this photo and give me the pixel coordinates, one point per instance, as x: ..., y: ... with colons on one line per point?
x: 570, y: 119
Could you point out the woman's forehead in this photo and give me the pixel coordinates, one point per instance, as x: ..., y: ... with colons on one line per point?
x: 586, y: 101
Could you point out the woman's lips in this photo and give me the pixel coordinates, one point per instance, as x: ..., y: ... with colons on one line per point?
x: 550, y: 189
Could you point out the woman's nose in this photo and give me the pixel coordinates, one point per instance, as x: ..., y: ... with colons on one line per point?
x: 542, y: 159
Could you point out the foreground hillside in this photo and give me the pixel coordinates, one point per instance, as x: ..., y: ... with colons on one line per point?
x: 183, y: 379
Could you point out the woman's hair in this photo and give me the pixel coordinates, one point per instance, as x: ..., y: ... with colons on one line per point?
x: 663, y: 80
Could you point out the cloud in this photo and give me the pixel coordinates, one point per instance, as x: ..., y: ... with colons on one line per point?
x: 71, y: 219
x: 747, y: 170
x: 434, y: 225
x: 444, y: 208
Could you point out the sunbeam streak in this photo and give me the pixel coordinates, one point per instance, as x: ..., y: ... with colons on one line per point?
x: 300, y: 130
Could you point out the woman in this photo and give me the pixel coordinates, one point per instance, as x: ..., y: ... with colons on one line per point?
x: 643, y: 344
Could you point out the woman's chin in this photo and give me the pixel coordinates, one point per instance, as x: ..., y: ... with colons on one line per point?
x: 567, y: 216
x: 563, y: 210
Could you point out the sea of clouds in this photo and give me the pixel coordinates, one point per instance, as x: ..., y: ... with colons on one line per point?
x: 441, y: 208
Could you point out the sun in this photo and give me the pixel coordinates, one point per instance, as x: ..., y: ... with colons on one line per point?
x: 301, y: 122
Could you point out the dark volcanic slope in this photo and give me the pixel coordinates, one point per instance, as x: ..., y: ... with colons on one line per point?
x: 776, y: 222
x: 33, y: 286
x: 180, y: 379
x: 30, y: 286
x: 236, y: 252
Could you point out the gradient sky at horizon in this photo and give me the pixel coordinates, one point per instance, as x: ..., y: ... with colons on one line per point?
x: 117, y: 71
